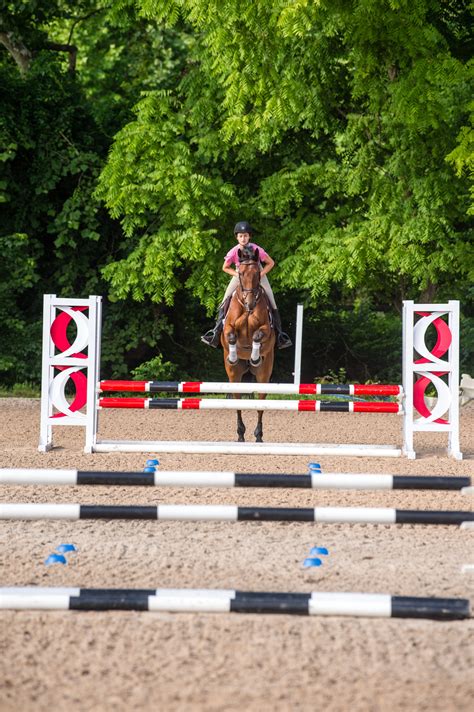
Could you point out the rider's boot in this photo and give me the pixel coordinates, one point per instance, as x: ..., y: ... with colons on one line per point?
x: 283, y: 340
x: 213, y: 336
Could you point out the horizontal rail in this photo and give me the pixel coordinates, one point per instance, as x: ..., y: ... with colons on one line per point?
x: 232, y: 479
x: 372, y: 605
x: 305, y: 406
x: 281, y: 388
x: 234, y: 448
x: 232, y: 513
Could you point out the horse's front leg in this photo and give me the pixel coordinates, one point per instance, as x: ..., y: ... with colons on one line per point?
x: 235, y: 376
x: 255, y: 358
x: 240, y: 424
x: 260, y: 336
x: 231, y: 338
x: 258, y: 432
x: 263, y: 374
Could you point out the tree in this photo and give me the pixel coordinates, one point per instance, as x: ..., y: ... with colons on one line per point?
x: 341, y: 130
x: 327, y: 123
x: 54, y: 134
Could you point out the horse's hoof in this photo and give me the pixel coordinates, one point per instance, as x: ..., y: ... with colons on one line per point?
x: 241, y: 439
x: 259, y: 439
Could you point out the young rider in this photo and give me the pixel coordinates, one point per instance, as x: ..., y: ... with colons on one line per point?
x: 243, y: 231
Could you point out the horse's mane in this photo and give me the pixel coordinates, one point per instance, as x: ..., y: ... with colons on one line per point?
x: 248, y: 254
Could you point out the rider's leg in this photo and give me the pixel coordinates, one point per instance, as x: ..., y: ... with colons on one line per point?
x: 283, y: 340
x: 212, y: 337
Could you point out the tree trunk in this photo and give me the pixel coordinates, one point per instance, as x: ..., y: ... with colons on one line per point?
x: 428, y: 294
x: 18, y: 51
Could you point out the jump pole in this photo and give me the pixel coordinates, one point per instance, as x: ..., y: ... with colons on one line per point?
x: 320, y: 603
x: 232, y: 513
x: 234, y: 448
x: 302, y: 406
x: 72, y: 362
x: 306, y: 389
x: 233, y: 479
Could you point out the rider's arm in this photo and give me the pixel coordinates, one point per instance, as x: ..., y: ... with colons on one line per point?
x: 268, y: 265
x: 229, y: 269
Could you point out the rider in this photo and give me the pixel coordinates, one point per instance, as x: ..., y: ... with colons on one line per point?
x: 243, y: 232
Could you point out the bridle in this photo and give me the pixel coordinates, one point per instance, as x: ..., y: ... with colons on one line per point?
x: 255, y: 291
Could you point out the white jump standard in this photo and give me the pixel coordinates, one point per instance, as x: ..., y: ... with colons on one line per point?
x: 79, y: 362
x: 232, y: 513
x: 233, y: 479
x: 368, y: 605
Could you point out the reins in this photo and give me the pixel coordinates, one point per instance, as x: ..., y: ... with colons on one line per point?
x: 256, y: 291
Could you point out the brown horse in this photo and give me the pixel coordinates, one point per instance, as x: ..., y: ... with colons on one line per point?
x: 248, y: 338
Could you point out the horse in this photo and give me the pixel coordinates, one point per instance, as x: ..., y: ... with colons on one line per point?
x: 248, y: 338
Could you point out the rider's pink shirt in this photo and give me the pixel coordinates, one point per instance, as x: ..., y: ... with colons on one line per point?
x: 233, y: 255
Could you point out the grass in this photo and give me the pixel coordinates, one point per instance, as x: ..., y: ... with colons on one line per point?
x: 20, y: 390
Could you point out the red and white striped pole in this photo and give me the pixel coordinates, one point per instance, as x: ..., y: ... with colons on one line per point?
x: 302, y: 406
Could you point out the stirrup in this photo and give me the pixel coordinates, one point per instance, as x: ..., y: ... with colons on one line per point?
x: 284, y: 341
x: 211, y: 338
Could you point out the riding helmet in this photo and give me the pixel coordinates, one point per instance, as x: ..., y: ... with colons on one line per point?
x: 243, y: 226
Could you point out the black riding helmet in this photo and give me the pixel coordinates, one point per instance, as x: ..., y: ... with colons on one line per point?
x: 243, y: 226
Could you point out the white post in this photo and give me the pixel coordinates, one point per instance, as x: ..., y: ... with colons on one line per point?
x: 422, y: 367
x: 453, y: 435
x: 93, y: 373
x: 298, y: 344
x: 407, y: 376
x: 46, y: 430
x: 70, y: 363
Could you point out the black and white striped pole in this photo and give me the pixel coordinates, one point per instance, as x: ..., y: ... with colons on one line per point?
x: 231, y: 601
x: 312, y: 480
x: 232, y: 513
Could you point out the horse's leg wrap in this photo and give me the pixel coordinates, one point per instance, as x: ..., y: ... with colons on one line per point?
x: 255, y: 355
x: 232, y: 341
x: 232, y: 358
x: 257, y: 337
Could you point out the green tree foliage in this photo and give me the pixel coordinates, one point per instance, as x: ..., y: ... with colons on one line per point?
x: 327, y: 123
x: 17, y: 337
x: 134, y: 133
x: 54, y: 136
x: 463, y: 155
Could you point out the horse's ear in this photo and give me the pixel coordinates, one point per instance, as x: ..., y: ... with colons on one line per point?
x: 256, y: 255
x: 239, y: 252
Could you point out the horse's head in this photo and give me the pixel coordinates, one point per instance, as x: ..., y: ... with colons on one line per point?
x: 249, y: 276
